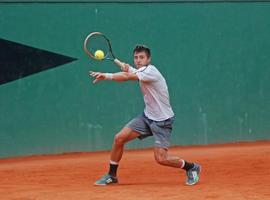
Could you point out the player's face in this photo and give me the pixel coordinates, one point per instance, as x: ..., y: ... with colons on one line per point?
x: 141, y: 59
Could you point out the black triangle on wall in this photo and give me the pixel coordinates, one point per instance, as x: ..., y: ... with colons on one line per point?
x: 18, y: 60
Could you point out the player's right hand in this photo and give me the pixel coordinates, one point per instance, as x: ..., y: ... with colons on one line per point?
x: 125, y: 67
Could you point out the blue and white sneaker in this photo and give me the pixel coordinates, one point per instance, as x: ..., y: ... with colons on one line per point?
x: 106, y: 180
x: 193, y: 174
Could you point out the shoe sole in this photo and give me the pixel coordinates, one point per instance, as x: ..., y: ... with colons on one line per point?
x: 104, y: 184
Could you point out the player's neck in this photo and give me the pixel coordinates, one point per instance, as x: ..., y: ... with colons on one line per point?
x: 138, y: 67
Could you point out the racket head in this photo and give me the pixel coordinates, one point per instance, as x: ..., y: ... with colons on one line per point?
x: 98, y: 41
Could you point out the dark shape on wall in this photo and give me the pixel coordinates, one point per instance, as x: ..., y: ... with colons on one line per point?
x: 18, y: 60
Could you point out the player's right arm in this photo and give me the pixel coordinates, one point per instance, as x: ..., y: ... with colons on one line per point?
x: 125, y: 67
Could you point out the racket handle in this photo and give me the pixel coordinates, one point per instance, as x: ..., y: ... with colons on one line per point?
x: 119, y: 63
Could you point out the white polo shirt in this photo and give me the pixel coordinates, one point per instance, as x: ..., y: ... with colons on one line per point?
x: 155, y: 93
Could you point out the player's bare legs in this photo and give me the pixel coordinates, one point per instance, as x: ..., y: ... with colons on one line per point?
x: 192, y: 169
x: 120, y: 139
x: 164, y: 158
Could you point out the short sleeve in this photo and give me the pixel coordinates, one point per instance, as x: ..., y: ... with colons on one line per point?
x: 148, y: 74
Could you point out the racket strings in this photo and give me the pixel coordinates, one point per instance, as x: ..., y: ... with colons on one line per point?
x: 98, y: 42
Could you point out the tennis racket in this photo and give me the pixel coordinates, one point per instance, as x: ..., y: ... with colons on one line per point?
x: 98, y: 41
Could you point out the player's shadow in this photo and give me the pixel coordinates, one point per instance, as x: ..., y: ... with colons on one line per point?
x: 145, y: 183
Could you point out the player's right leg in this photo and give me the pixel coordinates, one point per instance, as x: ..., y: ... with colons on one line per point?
x: 120, y: 139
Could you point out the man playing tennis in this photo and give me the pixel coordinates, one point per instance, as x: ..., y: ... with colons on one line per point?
x: 156, y: 120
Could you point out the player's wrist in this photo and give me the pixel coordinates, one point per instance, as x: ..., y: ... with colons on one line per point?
x: 128, y: 69
x: 108, y: 76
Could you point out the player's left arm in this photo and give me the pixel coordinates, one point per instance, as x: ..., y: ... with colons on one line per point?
x: 119, y: 76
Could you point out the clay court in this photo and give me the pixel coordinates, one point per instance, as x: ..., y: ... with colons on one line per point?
x: 237, y: 171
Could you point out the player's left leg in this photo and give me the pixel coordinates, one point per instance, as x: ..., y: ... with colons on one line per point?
x: 192, y: 169
x: 162, y: 132
x: 164, y: 158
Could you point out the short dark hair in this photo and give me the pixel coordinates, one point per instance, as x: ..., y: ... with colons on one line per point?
x: 142, y: 48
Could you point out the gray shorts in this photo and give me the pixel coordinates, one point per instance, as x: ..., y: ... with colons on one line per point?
x: 161, y: 130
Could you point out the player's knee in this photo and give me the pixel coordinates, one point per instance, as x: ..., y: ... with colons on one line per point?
x: 161, y: 159
x: 119, y: 140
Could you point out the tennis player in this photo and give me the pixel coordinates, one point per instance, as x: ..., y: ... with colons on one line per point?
x: 156, y: 120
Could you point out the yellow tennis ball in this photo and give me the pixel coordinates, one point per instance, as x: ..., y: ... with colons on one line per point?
x: 99, y: 54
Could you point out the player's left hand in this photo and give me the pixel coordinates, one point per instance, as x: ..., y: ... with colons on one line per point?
x: 98, y: 76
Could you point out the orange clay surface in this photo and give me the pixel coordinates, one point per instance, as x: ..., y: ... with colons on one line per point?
x: 238, y: 171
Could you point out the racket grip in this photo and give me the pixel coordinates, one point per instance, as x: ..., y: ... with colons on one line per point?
x: 119, y: 63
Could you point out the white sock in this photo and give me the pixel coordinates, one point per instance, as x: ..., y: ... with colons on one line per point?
x: 113, y: 162
x: 183, y: 163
